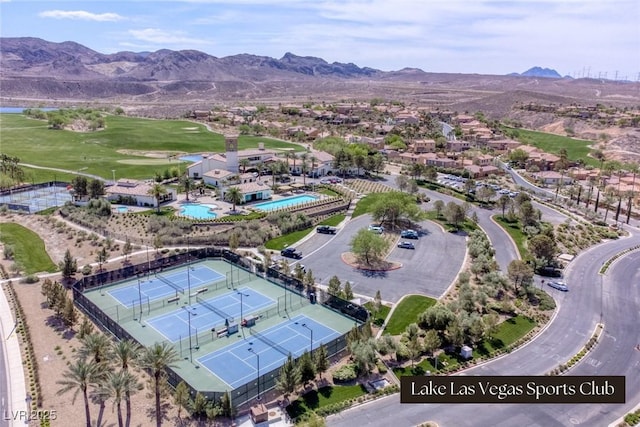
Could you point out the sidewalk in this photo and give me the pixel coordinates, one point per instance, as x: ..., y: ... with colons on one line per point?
x: 16, y: 389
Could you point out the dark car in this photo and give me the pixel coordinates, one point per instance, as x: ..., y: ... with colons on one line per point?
x: 291, y: 253
x: 406, y: 245
x: 326, y: 229
x: 409, y: 234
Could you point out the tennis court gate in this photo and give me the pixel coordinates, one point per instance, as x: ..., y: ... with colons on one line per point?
x: 103, y: 320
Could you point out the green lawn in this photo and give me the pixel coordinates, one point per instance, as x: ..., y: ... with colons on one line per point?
x: 364, y: 205
x: 282, y: 242
x: 29, y: 248
x: 325, y: 396
x: 407, y: 312
x: 513, y: 228
x: 103, y: 151
x: 550, y: 143
x: 509, y: 332
x: 466, y: 226
x: 381, y: 315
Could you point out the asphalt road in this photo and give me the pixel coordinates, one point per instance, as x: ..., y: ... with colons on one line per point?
x: 428, y: 270
x: 612, y: 299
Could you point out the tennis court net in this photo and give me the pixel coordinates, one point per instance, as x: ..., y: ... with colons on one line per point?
x: 269, y: 342
x: 170, y: 283
x: 213, y: 308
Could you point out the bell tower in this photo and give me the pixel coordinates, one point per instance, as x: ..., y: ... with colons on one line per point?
x: 231, y: 145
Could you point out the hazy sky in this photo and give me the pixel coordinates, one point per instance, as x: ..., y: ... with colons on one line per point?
x: 574, y: 37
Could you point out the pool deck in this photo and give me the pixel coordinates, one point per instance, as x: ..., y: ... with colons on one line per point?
x: 224, y: 208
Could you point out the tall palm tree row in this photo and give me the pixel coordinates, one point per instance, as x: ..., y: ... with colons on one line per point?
x: 106, y: 371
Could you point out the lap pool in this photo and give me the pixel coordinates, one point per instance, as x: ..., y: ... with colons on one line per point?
x: 285, y: 203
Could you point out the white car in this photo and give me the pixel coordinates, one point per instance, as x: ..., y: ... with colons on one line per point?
x: 378, y: 229
x: 559, y: 285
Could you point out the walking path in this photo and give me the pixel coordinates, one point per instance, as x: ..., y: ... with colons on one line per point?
x: 13, y: 366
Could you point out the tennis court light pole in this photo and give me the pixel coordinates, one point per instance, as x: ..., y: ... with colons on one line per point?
x: 258, y: 358
x: 188, y: 274
x: 189, y: 322
x: 241, y: 305
x: 140, y: 296
x: 304, y: 325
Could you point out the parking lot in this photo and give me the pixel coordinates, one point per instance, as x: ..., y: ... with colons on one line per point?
x: 459, y: 183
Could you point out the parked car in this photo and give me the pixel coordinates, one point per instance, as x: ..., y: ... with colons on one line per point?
x: 291, y: 253
x: 378, y: 229
x: 409, y: 234
x: 559, y: 285
x: 406, y: 245
x: 326, y: 229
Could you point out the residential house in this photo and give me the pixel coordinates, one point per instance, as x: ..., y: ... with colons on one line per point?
x: 503, y: 145
x: 550, y: 177
x: 483, y: 160
x: 458, y: 145
x: 424, y: 146
x: 477, y: 171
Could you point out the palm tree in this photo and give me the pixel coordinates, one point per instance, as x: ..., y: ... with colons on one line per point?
x: 288, y: 155
x: 96, y: 347
x: 157, y: 191
x: 274, y: 168
x: 634, y: 168
x: 120, y: 385
x: 126, y: 352
x: 234, y: 196
x: 156, y: 359
x: 79, y: 377
x: 304, y: 168
x: 187, y: 185
x: 244, y: 163
x: 113, y: 386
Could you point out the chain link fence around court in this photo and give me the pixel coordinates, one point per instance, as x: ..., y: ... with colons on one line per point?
x: 110, y: 318
x: 37, y: 197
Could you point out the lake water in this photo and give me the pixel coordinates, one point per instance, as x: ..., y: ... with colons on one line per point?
x: 19, y: 110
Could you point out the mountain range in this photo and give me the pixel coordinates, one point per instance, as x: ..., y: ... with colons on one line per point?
x: 33, y: 70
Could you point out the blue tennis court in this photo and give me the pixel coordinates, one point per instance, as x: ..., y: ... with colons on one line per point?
x: 210, y: 313
x: 162, y: 286
x: 237, y: 364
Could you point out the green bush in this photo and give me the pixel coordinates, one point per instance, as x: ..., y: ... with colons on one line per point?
x: 345, y: 373
x: 31, y: 279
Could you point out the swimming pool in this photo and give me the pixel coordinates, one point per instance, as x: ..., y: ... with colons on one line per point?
x: 191, y: 158
x: 285, y: 203
x: 198, y: 211
x: 123, y: 209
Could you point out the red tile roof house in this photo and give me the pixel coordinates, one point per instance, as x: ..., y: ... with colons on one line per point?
x: 424, y: 146
x: 483, y: 160
x: 476, y: 171
x: 139, y: 191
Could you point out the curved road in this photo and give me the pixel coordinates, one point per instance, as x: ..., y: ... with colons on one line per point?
x: 612, y: 299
